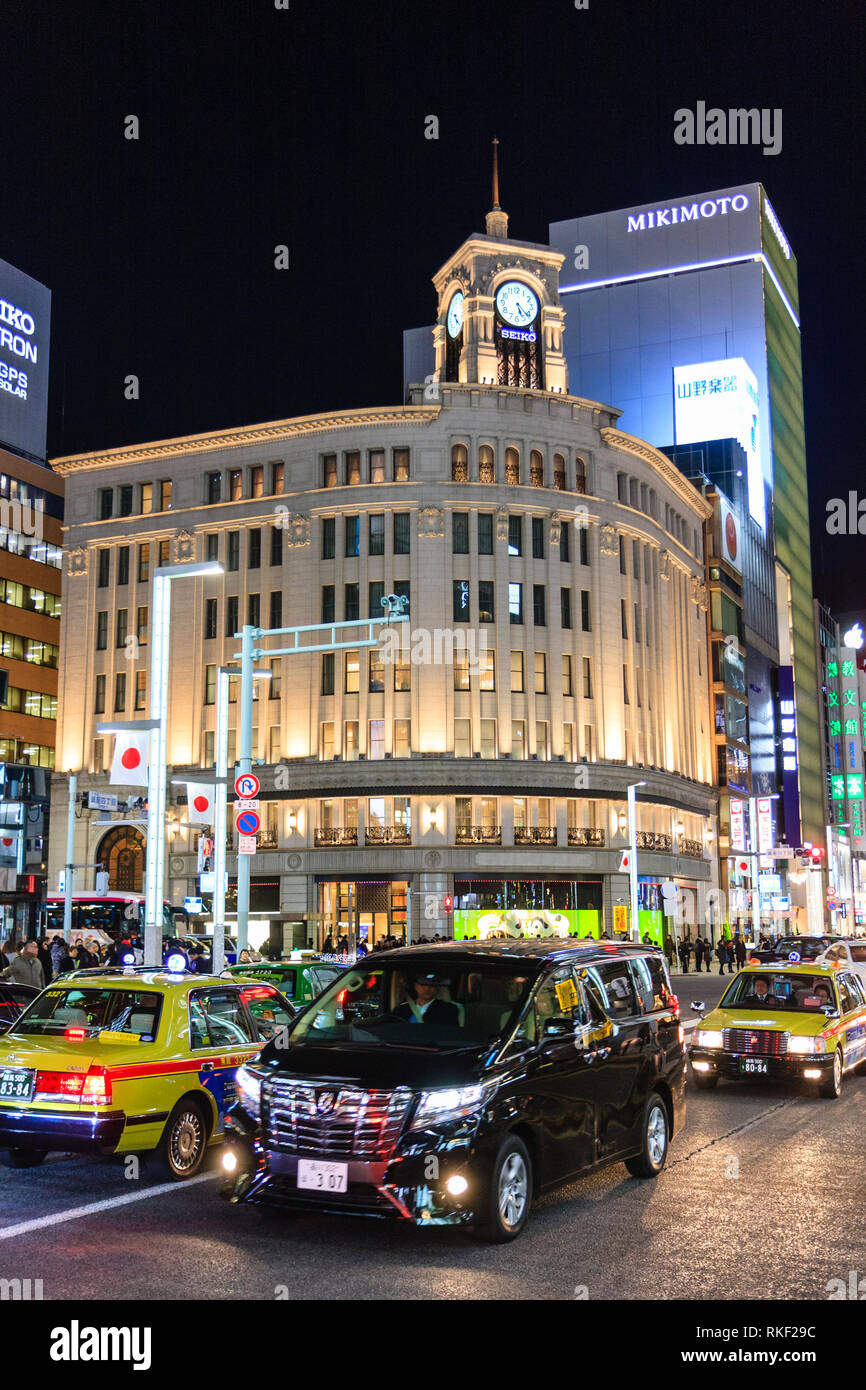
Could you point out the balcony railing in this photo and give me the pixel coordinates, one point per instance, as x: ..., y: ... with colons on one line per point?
x: 534, y: 835
x: 341, y: 835
x: 267, y: 839
x: 585, y: 837
x: 654, y: 839
x: 479, y: 834
x: 388, y: 835
x: 693, y: 849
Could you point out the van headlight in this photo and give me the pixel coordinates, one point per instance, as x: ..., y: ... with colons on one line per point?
x: 709, y: 1037
x: 451, y: 1104
x: 249, y: 1085
x: 806, y: 1046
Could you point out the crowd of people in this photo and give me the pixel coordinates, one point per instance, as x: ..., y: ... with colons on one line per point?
x: 39, y: 962
x: 727, y: 952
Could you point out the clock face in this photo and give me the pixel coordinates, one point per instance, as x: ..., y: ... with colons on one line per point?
x: 516, y: 303
x: 455, y: 314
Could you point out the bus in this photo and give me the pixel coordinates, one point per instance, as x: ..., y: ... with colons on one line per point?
x: 114, y: 914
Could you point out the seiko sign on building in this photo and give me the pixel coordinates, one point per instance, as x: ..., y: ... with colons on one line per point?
x: 25, y: 326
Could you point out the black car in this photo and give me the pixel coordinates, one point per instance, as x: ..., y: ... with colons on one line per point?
x: 802, y: 947
x: 14, y: 999
x: 451, y: 1084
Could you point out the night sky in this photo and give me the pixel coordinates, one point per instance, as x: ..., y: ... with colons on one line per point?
x: 261, y: 126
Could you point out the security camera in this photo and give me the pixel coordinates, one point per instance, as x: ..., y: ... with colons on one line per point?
x: 394, y: 603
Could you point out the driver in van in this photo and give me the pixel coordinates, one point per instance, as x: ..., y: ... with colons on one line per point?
x: 426, y: 1007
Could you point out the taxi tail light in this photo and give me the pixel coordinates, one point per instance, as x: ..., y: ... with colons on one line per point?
x: 674, y: 1005
x: 94, y: 1086
x: 75, y: 1034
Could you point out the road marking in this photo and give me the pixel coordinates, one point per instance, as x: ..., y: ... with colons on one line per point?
x: 75, y: 1213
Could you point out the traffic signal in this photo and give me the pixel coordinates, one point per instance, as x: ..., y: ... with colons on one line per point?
x: 816, y: 854
x: 447, y: 903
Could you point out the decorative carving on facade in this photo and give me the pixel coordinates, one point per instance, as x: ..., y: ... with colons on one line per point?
x: 293, y: 861
x: 609, y: 542
x: 703, y: 598
x: 555, y: 528
x: 502, y: 524
x: 77, y: 563
x: 297, y: 529
x: 665, y: 565
x: 432, y: 859
x: 431, y: 523
x: 184, y: 546
x: 177, y: 865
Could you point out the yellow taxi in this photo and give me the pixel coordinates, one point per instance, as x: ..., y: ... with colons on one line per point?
x: 128, y: 1060
x: 803, y: 1021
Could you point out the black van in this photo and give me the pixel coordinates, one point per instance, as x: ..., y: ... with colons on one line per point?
x: 450, y: 1084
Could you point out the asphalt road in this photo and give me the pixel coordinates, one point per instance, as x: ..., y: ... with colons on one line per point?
x: 762, y: 1198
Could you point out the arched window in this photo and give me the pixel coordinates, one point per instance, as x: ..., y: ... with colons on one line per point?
x: 121, y: 852
x: 486, y: 464
x: 459, y: 464
x: 580, y: 475
x: 512, y: 467
x: 559, y: 472
x: 536, y: 468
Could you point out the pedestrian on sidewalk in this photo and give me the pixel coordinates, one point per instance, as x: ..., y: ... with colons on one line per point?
x: 685, y: 952
x: 699, y: 952
x: 740, y: 951
x: 722, y: 954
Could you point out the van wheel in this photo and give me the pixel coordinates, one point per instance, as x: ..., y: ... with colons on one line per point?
x: 706, y: 1080
x: 654, y: 1144
x: 25, y: 1158
x: 184, y: 1140
x: 504, y: 1204
x: 831, y: 1087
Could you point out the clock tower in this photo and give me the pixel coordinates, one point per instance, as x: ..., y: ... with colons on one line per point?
x: 499, y: 321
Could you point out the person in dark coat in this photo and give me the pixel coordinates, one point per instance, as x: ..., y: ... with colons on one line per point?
x: 685, y: 950
x: 739, y: 951
x: 425, y: 1007
x: 699, y: 952
x: 45, y: 960
x: 721, y: 954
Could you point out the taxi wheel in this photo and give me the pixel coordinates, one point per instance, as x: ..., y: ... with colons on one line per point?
x: 503, y: 1207
x: 184, y: 1140
x: 25, y: 1158
x: 654, y: 1146
x: 831, y: 1087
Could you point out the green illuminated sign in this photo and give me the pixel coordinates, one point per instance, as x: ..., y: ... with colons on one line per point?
x: 838, y: 788
x: 855, y: 786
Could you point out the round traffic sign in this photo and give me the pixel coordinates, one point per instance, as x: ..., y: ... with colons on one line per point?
x: 247, y: 823
x: 794, y: 958
x: 247, y: 785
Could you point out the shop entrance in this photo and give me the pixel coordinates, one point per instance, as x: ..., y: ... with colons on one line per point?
x: 375, y: 909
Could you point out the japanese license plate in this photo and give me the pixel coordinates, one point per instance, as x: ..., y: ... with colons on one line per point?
x: 322, y: 1177
x: 16, y: 1083
x: 754, y: 1066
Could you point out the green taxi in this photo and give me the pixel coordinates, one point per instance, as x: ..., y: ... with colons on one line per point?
x: 301, y: 978
x: 800, y: 1021
x: 130, y: 1059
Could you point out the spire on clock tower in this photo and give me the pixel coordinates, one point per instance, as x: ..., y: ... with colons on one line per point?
x: 497, y: 220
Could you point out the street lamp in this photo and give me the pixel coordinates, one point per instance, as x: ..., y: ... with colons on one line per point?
x: 156, y: 773
x: 632, y: 865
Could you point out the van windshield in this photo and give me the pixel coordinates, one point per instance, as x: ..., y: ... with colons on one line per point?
x: 447, y: 1005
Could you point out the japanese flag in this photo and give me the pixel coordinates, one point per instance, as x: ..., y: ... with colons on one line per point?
x: 200, y: 798
x: 129, y: 764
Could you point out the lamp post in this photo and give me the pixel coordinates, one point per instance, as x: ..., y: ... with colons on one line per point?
x: 754, y: 858
x: 156, y: 771
x: 224, y: 675
x: 70, y: 855
x: 632, y: 868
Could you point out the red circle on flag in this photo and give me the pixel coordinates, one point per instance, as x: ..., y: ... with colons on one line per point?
x: 201, y: 803
x: 731, y: 536
x: 130, y: 757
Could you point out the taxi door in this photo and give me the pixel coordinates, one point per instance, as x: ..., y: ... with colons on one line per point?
x: 851, y: 998
x: 221, y: 1037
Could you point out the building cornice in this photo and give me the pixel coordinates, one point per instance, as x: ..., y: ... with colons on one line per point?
x: 274, y: 432
x: 618, y: 439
